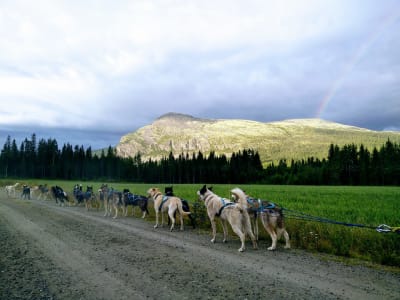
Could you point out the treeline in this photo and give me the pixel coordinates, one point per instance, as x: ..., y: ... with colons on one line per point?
x: 349, y: 165
x: 45, y: 160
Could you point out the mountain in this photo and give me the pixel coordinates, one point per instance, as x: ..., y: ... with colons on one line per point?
x: 289, y: 139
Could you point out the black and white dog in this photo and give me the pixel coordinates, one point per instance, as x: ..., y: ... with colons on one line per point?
x: 169, y: 191
x: 59, y: 195
x: 135, y: 200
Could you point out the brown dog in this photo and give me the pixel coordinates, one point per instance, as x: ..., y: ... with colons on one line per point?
x: 271, y: 216
x: 166, y: 203
x: 230, y: 212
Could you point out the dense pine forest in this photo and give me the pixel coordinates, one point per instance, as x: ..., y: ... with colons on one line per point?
x: 348, y: 165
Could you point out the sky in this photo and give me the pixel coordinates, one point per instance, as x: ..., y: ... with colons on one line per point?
x: 88, y: 72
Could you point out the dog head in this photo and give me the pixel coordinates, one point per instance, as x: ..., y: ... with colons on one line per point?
x: 152, y: 191
x: 203, y: 192
x: 169, y: 191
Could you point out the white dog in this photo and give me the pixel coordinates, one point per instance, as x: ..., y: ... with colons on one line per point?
x: 271, y: 216
x: 227, y: 211
x: 166, y: 203
x: 10, y: 189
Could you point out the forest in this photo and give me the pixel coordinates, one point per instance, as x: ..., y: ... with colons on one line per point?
x: 347, y: 165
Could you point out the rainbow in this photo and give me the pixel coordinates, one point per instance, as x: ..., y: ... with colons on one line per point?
x: 355, y: 58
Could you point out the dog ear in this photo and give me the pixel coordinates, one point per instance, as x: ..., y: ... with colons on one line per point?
x: 210, y: 188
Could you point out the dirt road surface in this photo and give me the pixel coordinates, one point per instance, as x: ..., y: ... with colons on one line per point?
x: 52, y: 252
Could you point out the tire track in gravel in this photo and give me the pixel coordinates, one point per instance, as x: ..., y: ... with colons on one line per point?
x: 88, y: 273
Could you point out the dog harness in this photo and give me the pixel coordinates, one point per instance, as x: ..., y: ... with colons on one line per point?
x: 261, y: 208
x: 132, y: 199
x: 224, y: 204
x: 164, y: 199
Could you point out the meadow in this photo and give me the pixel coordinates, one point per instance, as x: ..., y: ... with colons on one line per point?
x: 370, y: 206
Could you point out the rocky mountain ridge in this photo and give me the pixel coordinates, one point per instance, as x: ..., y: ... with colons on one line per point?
x: 288, y: 139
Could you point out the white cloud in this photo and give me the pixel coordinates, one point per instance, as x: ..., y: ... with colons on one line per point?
x: 71, y: 63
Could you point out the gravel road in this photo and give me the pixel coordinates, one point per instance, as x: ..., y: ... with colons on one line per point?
x: 52, y: 252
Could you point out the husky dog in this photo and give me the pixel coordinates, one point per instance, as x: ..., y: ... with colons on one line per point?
x: 227, y: 211
x: 103, y: 195
x: 87, y: 197
x: 10, y: 189
x: 59, y: 195
x: 134, y: 200
x: 26, y: 192
x: 43, y: 192
x: 169, y: 191
x: 166, y: 203
x: 271, y: 216
x: 115, y: 197
x: 112, y: 201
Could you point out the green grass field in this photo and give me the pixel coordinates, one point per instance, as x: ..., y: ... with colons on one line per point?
x: 370, y: 206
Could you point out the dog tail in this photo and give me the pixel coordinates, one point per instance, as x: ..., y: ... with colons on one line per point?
x: 241, y: 197
x: 181, y: 211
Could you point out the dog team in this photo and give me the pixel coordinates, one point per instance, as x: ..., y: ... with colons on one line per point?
x: 241, y: 212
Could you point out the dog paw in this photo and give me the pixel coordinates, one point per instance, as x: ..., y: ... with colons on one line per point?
x: 241, y: 249
x: 213, y: 241
x: 155, y: 226
x: 271, y: 248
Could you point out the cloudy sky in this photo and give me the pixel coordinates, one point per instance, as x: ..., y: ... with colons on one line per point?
x: 87, y: 72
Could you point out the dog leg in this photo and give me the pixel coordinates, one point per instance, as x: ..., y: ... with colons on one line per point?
x: 270, y: 231
x: 162, y: 218
x: 181, y: 218
x: 241, y: 235
x: 105, y: 207
x: 255, y: 223
x: 273, y: 237
x: 156, y: 211
x: 214, y: 230
x: 125, y: 210
x: 286, y: 235
x: 171, y: 212
x: 109, y: 209
x: 250, y: 232
x: 225, y: 229
x: 116, y: 211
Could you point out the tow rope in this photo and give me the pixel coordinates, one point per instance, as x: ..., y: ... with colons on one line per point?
x: 293, y: 214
